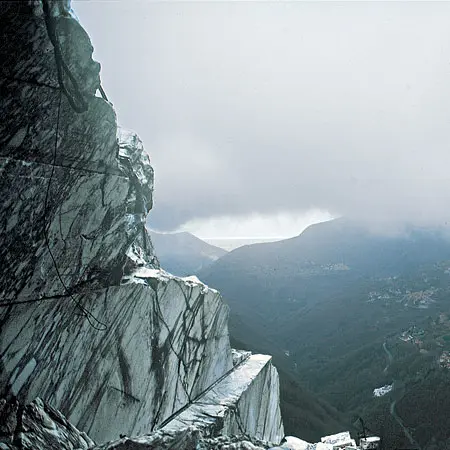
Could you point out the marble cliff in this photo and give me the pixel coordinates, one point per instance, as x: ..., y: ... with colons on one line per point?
x: 96, y: 340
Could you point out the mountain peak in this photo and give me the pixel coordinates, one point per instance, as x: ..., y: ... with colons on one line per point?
x: 183, y: 254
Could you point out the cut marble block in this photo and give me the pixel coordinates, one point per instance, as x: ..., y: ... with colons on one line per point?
x: 243, y: 403
x: 246, y: 401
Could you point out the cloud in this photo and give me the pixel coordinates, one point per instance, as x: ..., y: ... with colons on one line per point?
x: 280, y: 108
x: 255, y: 226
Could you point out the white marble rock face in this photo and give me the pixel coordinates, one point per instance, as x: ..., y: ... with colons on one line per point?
x: 245, y: 403
x: 89, y: 322
x: 63, y: 174
x: 166, y: 341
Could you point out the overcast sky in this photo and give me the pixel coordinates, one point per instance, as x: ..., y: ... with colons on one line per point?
x: 264, y: 115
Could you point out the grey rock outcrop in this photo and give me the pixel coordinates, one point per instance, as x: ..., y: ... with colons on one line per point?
x: 38, y: 426
x: 69, y: 191
x: 89, y: 322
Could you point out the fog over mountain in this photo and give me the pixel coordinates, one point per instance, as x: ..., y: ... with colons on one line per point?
x: 268, y: 108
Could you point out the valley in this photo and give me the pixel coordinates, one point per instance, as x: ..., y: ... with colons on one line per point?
x: 329, y: 312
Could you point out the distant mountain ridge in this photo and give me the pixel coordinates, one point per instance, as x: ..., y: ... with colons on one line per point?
x: 338, y: 243
x: 230, y: 244
x: 183, y: 253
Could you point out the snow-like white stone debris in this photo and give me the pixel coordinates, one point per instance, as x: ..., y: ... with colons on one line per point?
x: 294, y: 443
x: 337, y: 439
x: 239, y: 355
x: 162, y: 275
x: 192, y: 279
x: 383, y: 390
x: 323, y: 446
x: 145, y: 272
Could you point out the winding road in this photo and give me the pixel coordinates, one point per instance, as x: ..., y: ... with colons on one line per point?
x: 394, y: 414
x: 389, y: 356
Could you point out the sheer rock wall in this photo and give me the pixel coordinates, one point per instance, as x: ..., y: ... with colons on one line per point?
x: 166, y: 341
x: 89, y: 322
x: 65, y: 186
